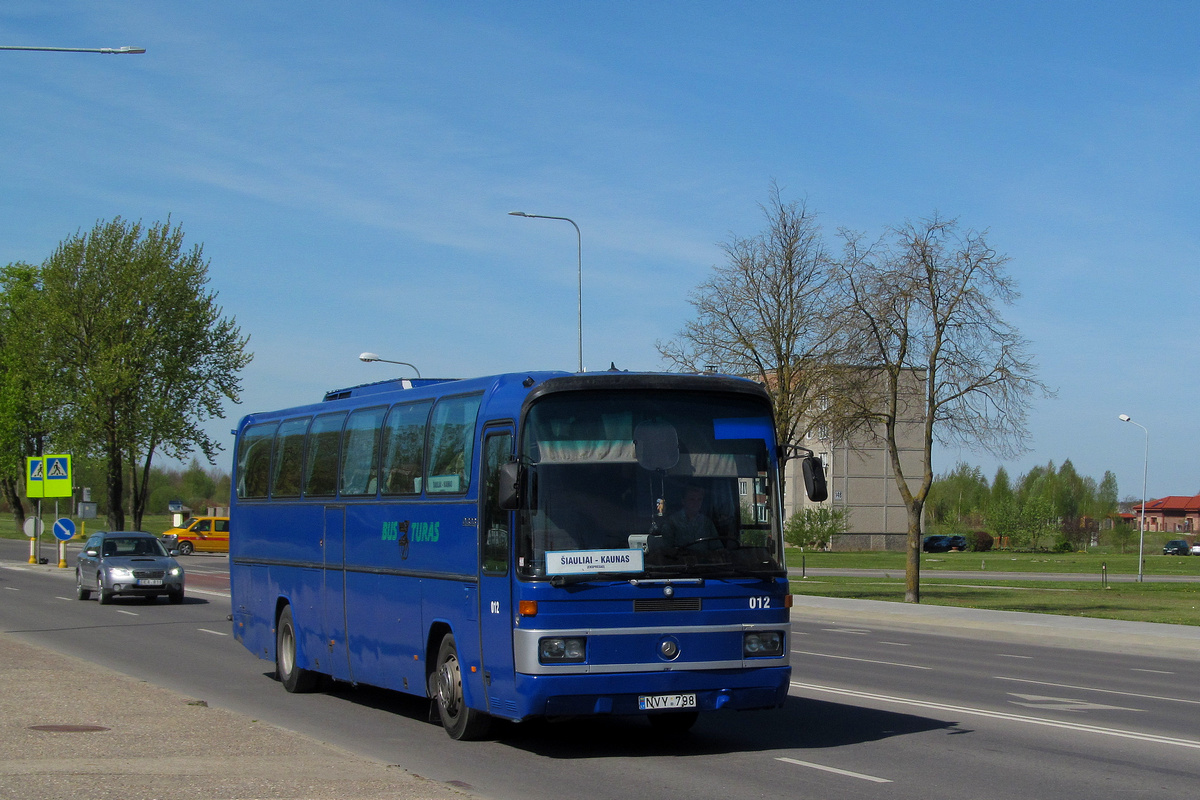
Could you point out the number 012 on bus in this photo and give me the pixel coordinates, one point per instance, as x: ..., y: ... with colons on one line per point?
x: 519, y: 546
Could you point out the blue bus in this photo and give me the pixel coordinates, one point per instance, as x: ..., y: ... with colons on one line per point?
x: 526, y: 545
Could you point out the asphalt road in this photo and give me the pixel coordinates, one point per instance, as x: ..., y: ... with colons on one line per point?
x: 878, y: 707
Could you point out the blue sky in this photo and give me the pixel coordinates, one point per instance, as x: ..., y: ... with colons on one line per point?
x: 349, y: 169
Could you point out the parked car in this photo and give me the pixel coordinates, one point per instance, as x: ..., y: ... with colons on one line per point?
x: 1196, y: 548
x: 943, y: 544
x: 1177, y: 547
x: 199, y: 535
x: 936, y: 544
x: 127, y: 563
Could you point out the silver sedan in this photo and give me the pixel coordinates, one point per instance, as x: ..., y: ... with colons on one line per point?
x: 127, y: 563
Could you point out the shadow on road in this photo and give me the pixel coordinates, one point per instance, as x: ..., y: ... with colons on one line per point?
x: 802, y: 724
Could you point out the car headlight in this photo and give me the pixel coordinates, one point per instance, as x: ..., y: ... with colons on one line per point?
x: 562, y: 650
x: 762, y: 644
x: 175, y: 571
x: 120, y: 574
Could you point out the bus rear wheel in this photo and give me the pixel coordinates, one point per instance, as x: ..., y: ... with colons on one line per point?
x: 460, y: 722
x: 295, y: 679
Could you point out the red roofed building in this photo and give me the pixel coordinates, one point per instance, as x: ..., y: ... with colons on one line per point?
x: 1170, y: 514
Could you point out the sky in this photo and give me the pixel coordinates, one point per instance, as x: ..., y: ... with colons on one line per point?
x: 349, y: 170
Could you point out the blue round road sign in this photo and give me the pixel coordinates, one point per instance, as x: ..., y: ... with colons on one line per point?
x: 64, y: 529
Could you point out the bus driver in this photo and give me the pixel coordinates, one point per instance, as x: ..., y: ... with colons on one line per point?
x: 689, y: 524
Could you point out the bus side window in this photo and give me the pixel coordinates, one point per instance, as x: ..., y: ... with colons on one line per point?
x: 451, y: 436
x: 254, y: 460
x: 324, y: 440
x: 404, y: 448
x: 289, y: 458
x: 360, y: 452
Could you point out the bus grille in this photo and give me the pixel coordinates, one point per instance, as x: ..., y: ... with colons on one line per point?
x: 667, y: 604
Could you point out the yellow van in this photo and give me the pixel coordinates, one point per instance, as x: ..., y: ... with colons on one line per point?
x: 199, y: 535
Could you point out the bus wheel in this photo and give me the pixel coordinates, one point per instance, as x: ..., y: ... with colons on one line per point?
x: 678, y: 722
x: 293, y: 678
x: 458, y: 720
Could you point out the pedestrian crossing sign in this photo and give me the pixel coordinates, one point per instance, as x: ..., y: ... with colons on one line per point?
x: 48, y: 476
x: 35, y: 477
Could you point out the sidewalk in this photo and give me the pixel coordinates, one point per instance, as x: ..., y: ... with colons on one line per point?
x: 111, y: 736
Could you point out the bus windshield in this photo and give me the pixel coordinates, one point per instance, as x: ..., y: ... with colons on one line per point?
x: 664, y: 484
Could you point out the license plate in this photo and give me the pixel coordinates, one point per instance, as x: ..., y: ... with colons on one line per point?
x: 652, y: 702
x: 146, y: 582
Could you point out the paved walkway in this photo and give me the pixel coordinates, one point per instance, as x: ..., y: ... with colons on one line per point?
x: 71, y: 730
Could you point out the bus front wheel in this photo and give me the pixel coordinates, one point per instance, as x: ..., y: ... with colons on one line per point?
x: 459, y: 721
x: 295, y: 679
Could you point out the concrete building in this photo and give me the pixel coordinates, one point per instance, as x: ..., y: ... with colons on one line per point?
x: 861, y: 481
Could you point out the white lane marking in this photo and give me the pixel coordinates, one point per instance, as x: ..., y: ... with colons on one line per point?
x: 834, y: 770
x: 1004, y: 715
x: 12, y: 588
x: 855, y: 631
x: 863, y: 660
x: 1041, y: 701
x: 896, y: 644
x: 130, y: 613
x: 1010, y: 655
x: 1152, y: 671
x: 214, y: 633
x: 1102, y: 691
x: 58, y: 597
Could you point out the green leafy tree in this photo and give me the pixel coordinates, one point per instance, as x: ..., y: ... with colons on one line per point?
x: 143, y: 353
x: 23, y: 380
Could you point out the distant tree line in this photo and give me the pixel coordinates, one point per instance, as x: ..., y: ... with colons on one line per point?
x: 1046, y: 508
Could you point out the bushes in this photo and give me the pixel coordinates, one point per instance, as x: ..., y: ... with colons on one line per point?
x: 815, y: 527
x: 981, y: 541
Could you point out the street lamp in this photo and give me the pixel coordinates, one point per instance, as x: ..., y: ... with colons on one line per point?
x: 369, y: 357
x: 116, y: 51
x: 579, y: 240
x: 1145, y: 471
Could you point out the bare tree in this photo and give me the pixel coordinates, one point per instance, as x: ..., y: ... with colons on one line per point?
x: 764, y: 313
x: 921, y: 324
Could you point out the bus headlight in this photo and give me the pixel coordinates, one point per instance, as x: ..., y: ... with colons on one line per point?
x: 762, y: 644
x: 562, y: 650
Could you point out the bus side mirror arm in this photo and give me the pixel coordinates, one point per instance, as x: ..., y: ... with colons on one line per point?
x: 508, y: 488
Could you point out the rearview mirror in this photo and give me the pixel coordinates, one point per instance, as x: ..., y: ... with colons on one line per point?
x: 814, y: 479
x: 656, y: 445
x: 509, y: 481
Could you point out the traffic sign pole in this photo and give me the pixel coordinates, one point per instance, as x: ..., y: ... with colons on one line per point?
x: 64, y: 531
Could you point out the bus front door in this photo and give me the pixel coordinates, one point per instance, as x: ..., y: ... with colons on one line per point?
x: 495, y: 587
x: 333, y: 593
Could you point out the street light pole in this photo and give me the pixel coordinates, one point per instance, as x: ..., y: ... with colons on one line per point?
x: 579, y: 242
x: 116, y: 51
x: 1145, y: 472
x: 369, y: 357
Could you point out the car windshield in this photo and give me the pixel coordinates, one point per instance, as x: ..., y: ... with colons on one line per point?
x: 668, y: 484
x: 132, y: 546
